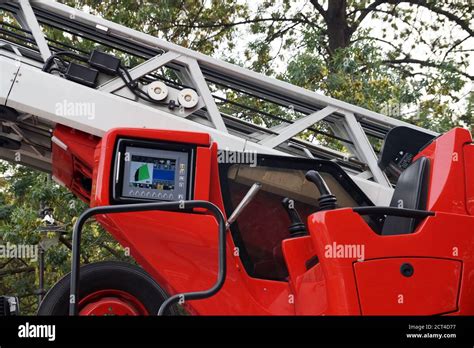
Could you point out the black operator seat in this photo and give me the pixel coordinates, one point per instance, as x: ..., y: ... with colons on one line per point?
x: 411, y: 192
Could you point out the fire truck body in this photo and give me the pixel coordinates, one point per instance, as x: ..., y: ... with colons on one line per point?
x: 179, y: 249
x: 310, y: 228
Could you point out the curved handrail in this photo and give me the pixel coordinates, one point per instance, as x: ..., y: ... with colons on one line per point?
x: 162, y: 206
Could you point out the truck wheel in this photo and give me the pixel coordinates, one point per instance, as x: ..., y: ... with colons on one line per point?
x: 108, y: 288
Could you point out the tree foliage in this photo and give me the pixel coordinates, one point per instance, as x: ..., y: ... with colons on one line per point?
x: 184, y: 22
x: 408, y: 59
x: 24, y: 192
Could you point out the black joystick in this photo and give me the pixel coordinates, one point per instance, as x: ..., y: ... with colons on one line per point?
x: 297, y: 227
x: 326, y: 200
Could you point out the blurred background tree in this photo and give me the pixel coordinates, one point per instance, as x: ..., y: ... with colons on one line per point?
x: 24, y: 191
x: 408, y: 59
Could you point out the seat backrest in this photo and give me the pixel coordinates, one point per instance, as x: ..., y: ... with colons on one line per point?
x: 411, y: 192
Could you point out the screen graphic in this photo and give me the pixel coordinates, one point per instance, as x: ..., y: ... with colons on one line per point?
x: 152, y: 173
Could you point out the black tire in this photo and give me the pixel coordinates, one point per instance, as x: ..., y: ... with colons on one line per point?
x: 107, y: 275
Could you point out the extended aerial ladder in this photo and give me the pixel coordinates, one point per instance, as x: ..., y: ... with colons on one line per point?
x: 34, y: 101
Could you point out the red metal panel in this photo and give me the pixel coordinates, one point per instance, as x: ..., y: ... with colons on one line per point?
x: 446, y: 191
x: 62, y: 165
x: 308, y: 284
x: 203, y: 157
x: 444, y: 236
x: 73, y: 166
x: 469, y: 165
x: 297, y: 251
x: 431, y: 289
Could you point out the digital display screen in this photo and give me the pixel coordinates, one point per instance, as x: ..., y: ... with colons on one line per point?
x: 152, y: 173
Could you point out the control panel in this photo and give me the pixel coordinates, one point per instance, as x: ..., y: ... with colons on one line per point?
x: 152, y: 171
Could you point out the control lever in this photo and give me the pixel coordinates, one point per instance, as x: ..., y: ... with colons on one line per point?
x: 297, y: 227
x: 326, y: 200
x: 243, y: 203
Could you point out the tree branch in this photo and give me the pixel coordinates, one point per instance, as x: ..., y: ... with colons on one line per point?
x: 451, y: 16
x: 423, y: 3
x: 16, y: 271
x: 280, y: 32
x: 65, y: 242
x: 312, y: 23
x: 319, y: 8
x: 456, y: 44
x: 110, y: 250
x: 228, y: 25
x: 3, y: 265
x: 367, y: 10
x: 426, y: 64
x: 376, y: 39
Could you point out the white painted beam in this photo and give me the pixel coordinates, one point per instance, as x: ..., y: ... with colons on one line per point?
x: 296, y: 127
